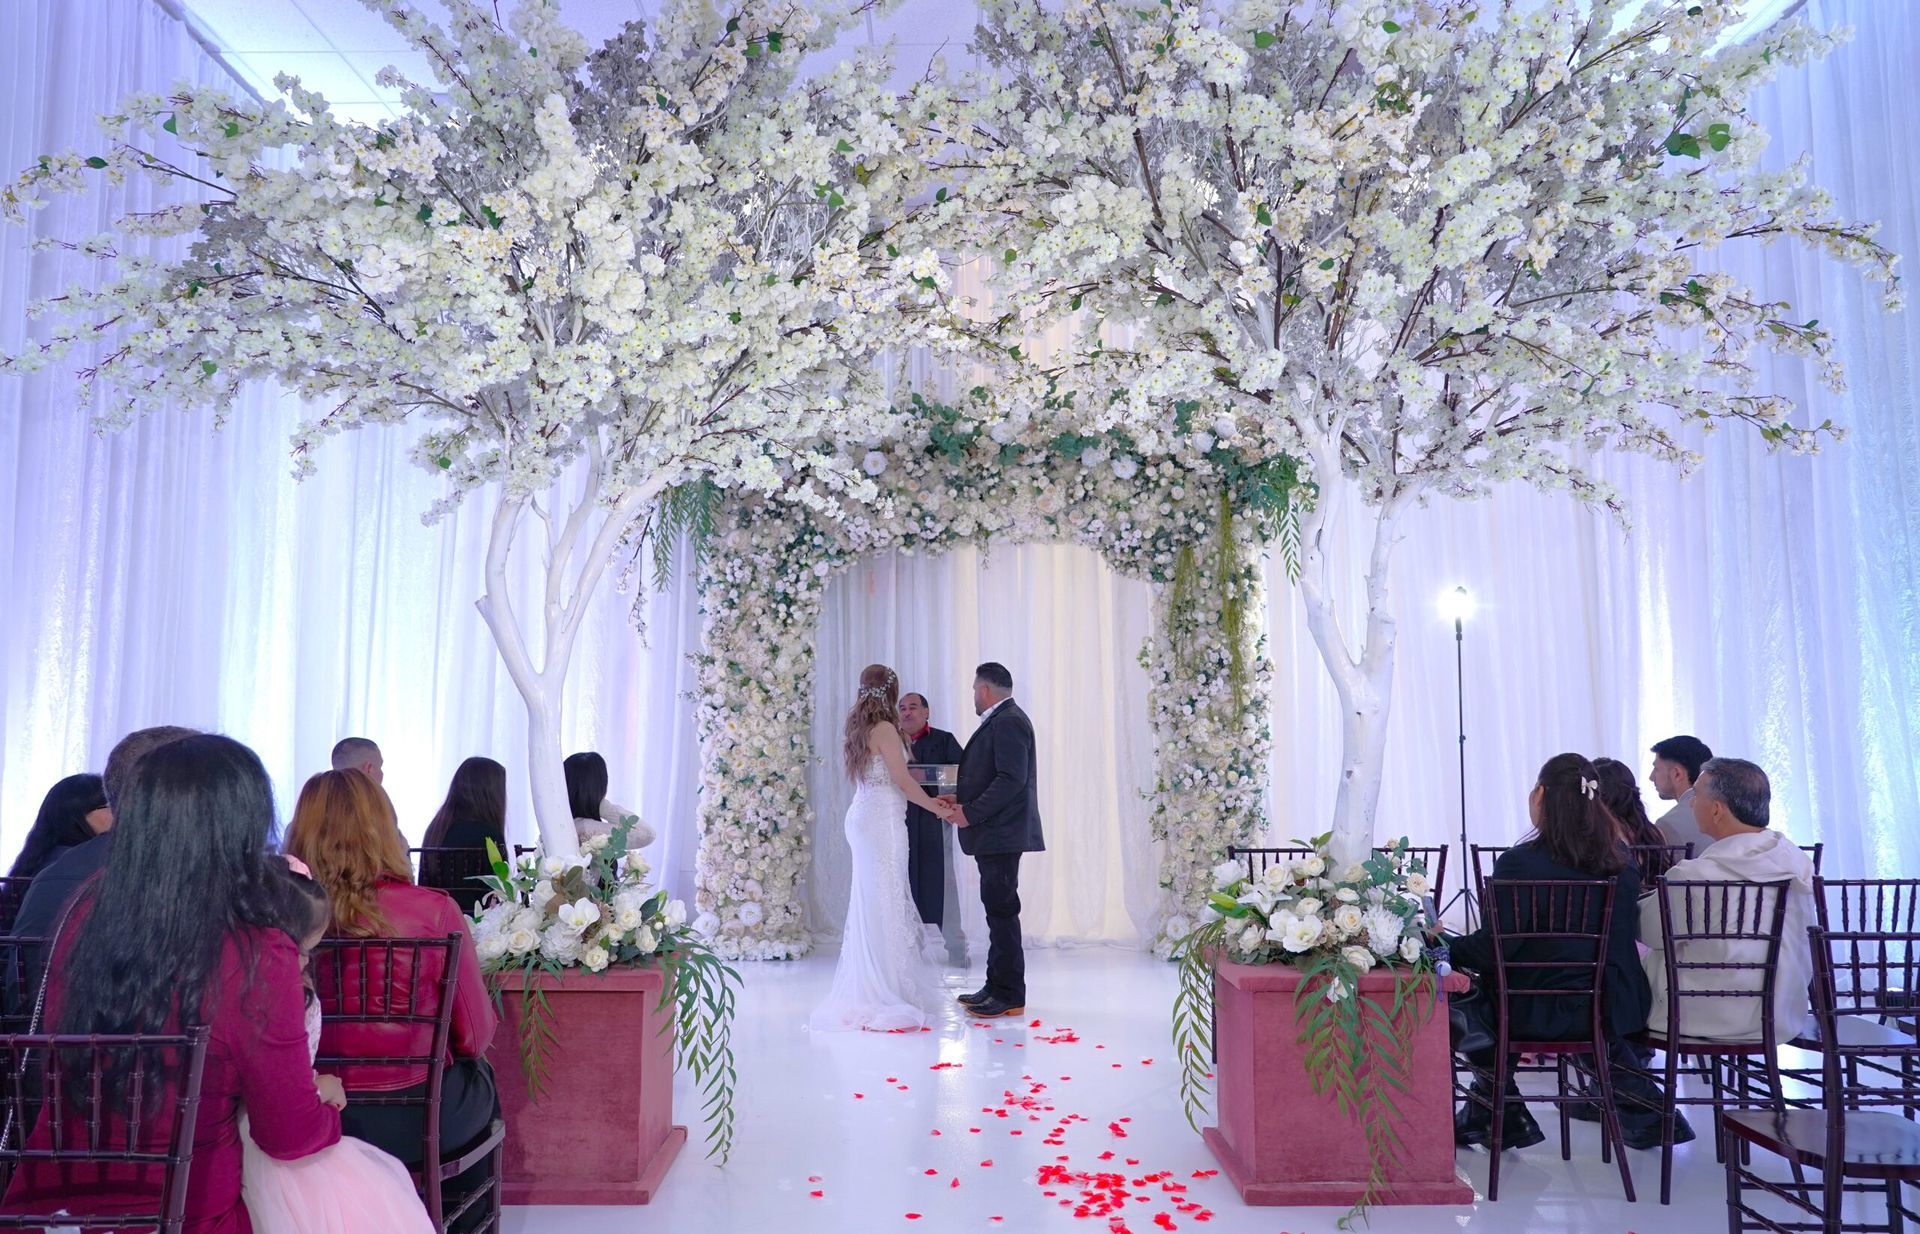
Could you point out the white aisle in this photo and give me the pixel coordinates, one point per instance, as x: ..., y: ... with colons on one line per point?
x: 852, y: 1133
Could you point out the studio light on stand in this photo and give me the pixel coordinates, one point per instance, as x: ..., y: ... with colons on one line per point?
x: 1457, y: 606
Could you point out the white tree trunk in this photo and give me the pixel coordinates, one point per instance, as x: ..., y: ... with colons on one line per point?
x: 1363, y: 683
x: 574, y: 569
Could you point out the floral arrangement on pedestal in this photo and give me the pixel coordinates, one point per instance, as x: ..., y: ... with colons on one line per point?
x: 1189, y: 511
x: 1335, y: 925
x: 594, y: 910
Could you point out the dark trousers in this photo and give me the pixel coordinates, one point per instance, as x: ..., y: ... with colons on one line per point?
x: 1000, y: 896
x: 1637, y: 1093
x: 927, y: 865
x: 469, y: 1103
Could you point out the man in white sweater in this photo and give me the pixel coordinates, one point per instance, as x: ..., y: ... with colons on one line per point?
x: 1731, y: 802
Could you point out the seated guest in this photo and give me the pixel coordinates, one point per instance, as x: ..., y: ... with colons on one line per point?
x: 56, y: 881
x: 345, y: 832
x: 474, y: 812
x: 1676, y: 765
x: 1731, y: 803
x: 593, y: 814
x: 1620, y: 793
x: 190, y: 912
x: 1574, y: 839
x: 359, y: 754
x: 73, y: 812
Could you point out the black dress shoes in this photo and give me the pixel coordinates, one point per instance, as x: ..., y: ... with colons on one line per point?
x: 978, y: 996
x: 990, y: 1008
x: 1473, y: 1128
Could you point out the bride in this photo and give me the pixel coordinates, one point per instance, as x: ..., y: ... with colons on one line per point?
x: 882, y: 981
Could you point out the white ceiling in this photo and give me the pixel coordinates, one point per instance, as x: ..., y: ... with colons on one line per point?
x: 337, y: 46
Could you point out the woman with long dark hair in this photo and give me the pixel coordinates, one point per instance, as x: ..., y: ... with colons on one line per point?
x: 882, y: 981
x: 345, y: 831
x: 188, y: 924
x: 1620, y: 793
x: 474, y: 812
x: 593, y: 813
x: 73, y: 812
x: 1574, y: 839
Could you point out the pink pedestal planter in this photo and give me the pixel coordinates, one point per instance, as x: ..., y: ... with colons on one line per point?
x: 602, y: 1130
x: 1278, y: 1143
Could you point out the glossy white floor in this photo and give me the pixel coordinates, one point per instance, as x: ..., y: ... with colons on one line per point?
x: 856, y: 1132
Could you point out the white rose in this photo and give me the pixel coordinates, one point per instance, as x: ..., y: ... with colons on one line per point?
x: 1202, y: 442
x: 646, y: 940
x: 1359, y: 957
x: 1223, y: 427
x: 1314, y: 866
x: 1308, y: 906
x: 522, y: 940
x: 1346, y: 919
x: 597, y: 842
x: 1125, y: 467
x: 1227, y: 873
x: 874, y: 463
x: 1300, y: 933
x: 593, y: 959
x: 1337, y: 990
x: 676, y: 914
x: 492, y: 947
x: 749, y: 914
x: 627, y: 919
x: 706, y: 925
x: 1275, y: 876
x: 1178, y: 926
x: 1410, y: 949
x: 1417, y: 884
x: 1347, y: 895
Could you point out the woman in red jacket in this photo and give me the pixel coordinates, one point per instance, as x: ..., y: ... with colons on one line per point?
x: 344, y: 829
x: 187, y: 924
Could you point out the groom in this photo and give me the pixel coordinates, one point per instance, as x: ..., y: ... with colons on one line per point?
x: 999, y: 818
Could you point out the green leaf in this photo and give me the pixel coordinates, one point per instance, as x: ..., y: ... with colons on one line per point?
x: 662, y: 100
x: 843, y: 147
x: 753, y: 50
x: 233, y: 129
x: 1718, y: 135
x: 443, y: 462
x: 493, y: 220
x: 733, y: 23
x: 1264, y: 39
x: 96, y: 162
x: 734, y: 317
x: 1074, y: 304
x: 1262, y: 215
x: 835, y: 200
x: 1683, y: 144
x: 1391, y: 27
x: 1010, y: 254
x: 1328, y: 264
x: 775, y: 40
x: 425, y: 213
x: 940, y: 194
x: 173, y: 124
x: 208, y: 368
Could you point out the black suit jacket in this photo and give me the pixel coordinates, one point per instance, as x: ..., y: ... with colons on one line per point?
x: 1624, y: 986
x: 55, y: 884
x: 999, y: 786
x: 937, y: 746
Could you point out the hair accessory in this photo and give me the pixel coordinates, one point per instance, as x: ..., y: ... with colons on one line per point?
x: 1589, y: 787
x: 879, y: 692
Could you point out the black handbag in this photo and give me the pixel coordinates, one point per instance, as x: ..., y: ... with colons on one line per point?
x: 1470, y: 1025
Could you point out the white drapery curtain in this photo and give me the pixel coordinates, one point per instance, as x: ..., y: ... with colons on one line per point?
x: 169, y: 574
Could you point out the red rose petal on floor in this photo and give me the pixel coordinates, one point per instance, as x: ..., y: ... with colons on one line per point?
x: 859, y: 1096
x: 893, y: 1079
x: 931, y: 1173
x: 935, y: 1131
x: 953, y: 1184
x: 1133, y: 1161
x: 817, y: 1194
x: 987, y: 1164
x: 1205, y: 1173
x: 973, y: 1131
x: 1146, y: 1062
x: 1015, y: 1131
x: 913, y: 1216
x: 813, y: 1178
x: 1035, y: 1024
x: 1164, y: 1222
x: 1107, y: 1156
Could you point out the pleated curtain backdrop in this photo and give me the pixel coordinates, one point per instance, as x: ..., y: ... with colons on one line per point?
x: 171, y: 574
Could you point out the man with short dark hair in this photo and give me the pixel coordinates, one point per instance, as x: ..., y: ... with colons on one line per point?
x: 927, y: 837
x: 999, y: 818
x: 1676, y: 766
x: 359, y: 754
x: 1732, y: 803
x: 50, y: 890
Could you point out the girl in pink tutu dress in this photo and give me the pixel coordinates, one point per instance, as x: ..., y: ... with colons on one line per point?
x: 349, y: 1188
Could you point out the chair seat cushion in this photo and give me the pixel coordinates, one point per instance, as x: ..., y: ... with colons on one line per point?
x: 1878, y: 1144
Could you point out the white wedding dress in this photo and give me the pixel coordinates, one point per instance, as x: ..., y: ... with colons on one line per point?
x: 884, y: 981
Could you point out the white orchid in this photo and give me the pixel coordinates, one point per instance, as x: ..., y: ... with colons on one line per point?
x: 580, y: 914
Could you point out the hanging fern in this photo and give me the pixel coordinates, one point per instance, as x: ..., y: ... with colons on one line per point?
x: 685, y: 510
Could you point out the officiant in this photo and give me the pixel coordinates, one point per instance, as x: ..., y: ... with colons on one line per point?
x: 927, y: 838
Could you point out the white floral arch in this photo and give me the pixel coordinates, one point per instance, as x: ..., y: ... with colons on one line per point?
x: 1193, y: 520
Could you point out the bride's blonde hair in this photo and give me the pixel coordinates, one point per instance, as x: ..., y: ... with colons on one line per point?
x: 878, y: 702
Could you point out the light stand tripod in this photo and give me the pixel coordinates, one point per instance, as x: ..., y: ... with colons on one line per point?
x: 1458, y: 604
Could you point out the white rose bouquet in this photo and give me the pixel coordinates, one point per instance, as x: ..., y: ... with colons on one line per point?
x: 596, y: 910
x: 1335, y: 925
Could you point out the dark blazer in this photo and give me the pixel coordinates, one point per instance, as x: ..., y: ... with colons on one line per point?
x: 1624, y: 986
x: 937, y: 746
x: 1000, y: 787
x: 56, y: 883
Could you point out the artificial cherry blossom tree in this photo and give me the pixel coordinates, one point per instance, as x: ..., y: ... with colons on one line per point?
x: 596, y: 278
x: 1425, y: 248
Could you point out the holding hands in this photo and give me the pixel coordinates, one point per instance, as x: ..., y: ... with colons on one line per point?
x: 948, y: 808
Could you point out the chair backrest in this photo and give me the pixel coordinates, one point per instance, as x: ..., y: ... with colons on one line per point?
x: 13, y: 892
x: 1740, y: 923
x: 1432, y: 859
x: 1483, y: 857
x: 57, y: 1085
x: 1654, y: 860
x: 1871, y: 905
x: 1813, y: 851
x: 22, y: 961
x: 380, y: 981
x: 1549, y: 941
x: 1864, y: 974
